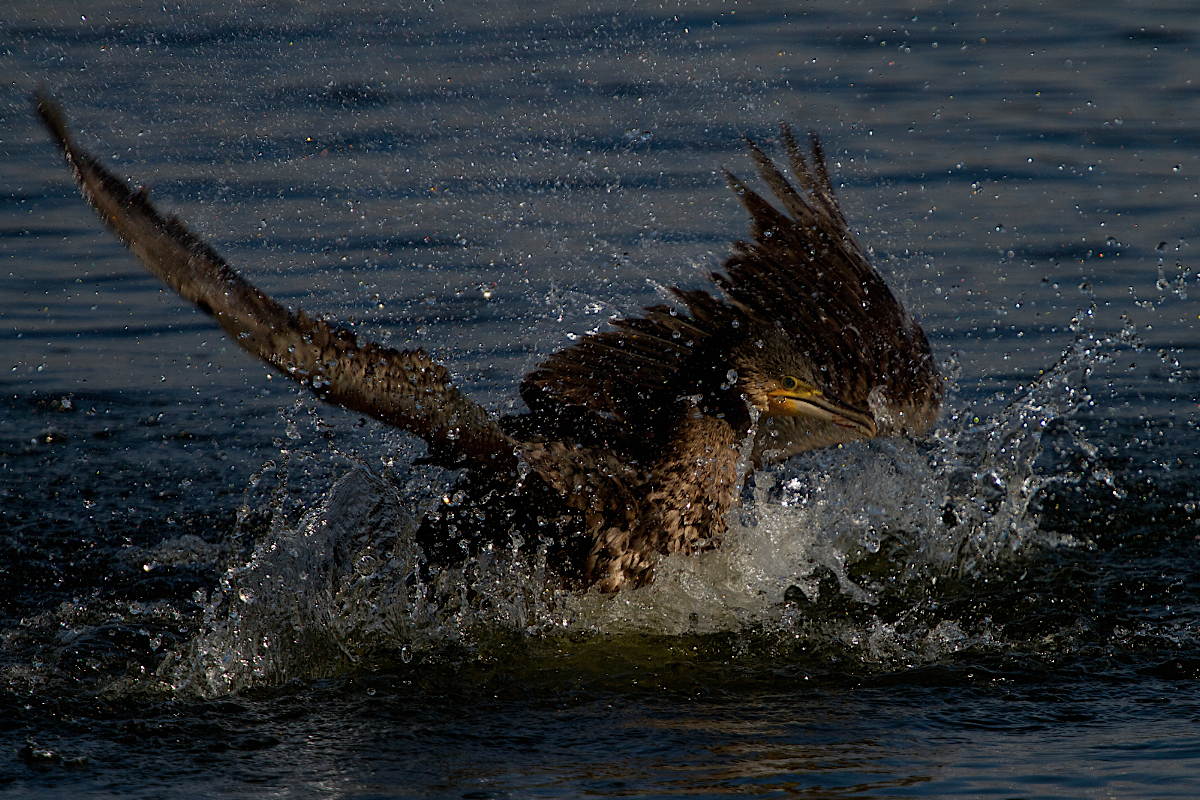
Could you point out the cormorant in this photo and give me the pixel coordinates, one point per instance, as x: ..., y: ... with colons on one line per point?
x: 634, y: 433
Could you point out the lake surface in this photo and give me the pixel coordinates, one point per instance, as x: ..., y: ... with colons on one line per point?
x: 203, y: 572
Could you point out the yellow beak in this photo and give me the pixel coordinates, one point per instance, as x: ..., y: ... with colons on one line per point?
x: 805, y: 401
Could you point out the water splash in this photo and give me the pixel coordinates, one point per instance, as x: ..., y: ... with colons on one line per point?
x: 989, y: 466
x: 287, y: 608
x: 861, y: 524
x: 344, y: 587
x: 872, y: 516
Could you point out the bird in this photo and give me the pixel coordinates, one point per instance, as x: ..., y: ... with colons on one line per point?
x: 636, y: 438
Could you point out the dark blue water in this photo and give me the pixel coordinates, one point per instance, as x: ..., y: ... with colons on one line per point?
x: 1006, y: 609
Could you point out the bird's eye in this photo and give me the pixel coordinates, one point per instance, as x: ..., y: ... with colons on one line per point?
x: 790, y: 383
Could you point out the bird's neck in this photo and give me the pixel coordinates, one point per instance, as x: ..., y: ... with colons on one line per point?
x: 694, y: 481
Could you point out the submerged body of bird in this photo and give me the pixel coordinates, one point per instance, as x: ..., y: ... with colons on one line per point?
x: 631, y: 445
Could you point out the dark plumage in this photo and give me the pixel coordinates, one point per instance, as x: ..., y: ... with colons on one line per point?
x: 634, y: 433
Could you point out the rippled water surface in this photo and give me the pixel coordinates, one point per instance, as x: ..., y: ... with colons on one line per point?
x: 206, y: 578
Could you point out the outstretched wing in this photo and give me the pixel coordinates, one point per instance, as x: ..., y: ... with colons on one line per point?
x: 805, y: 273
x: 402, y: 388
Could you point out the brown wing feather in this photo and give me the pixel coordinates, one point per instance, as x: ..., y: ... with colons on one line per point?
x: 625, y: 372
x: 402, y: 388
x: 806, y: 274
x: 803, y: 272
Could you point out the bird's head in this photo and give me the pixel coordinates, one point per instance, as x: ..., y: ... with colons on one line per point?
x: 780, y: 381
